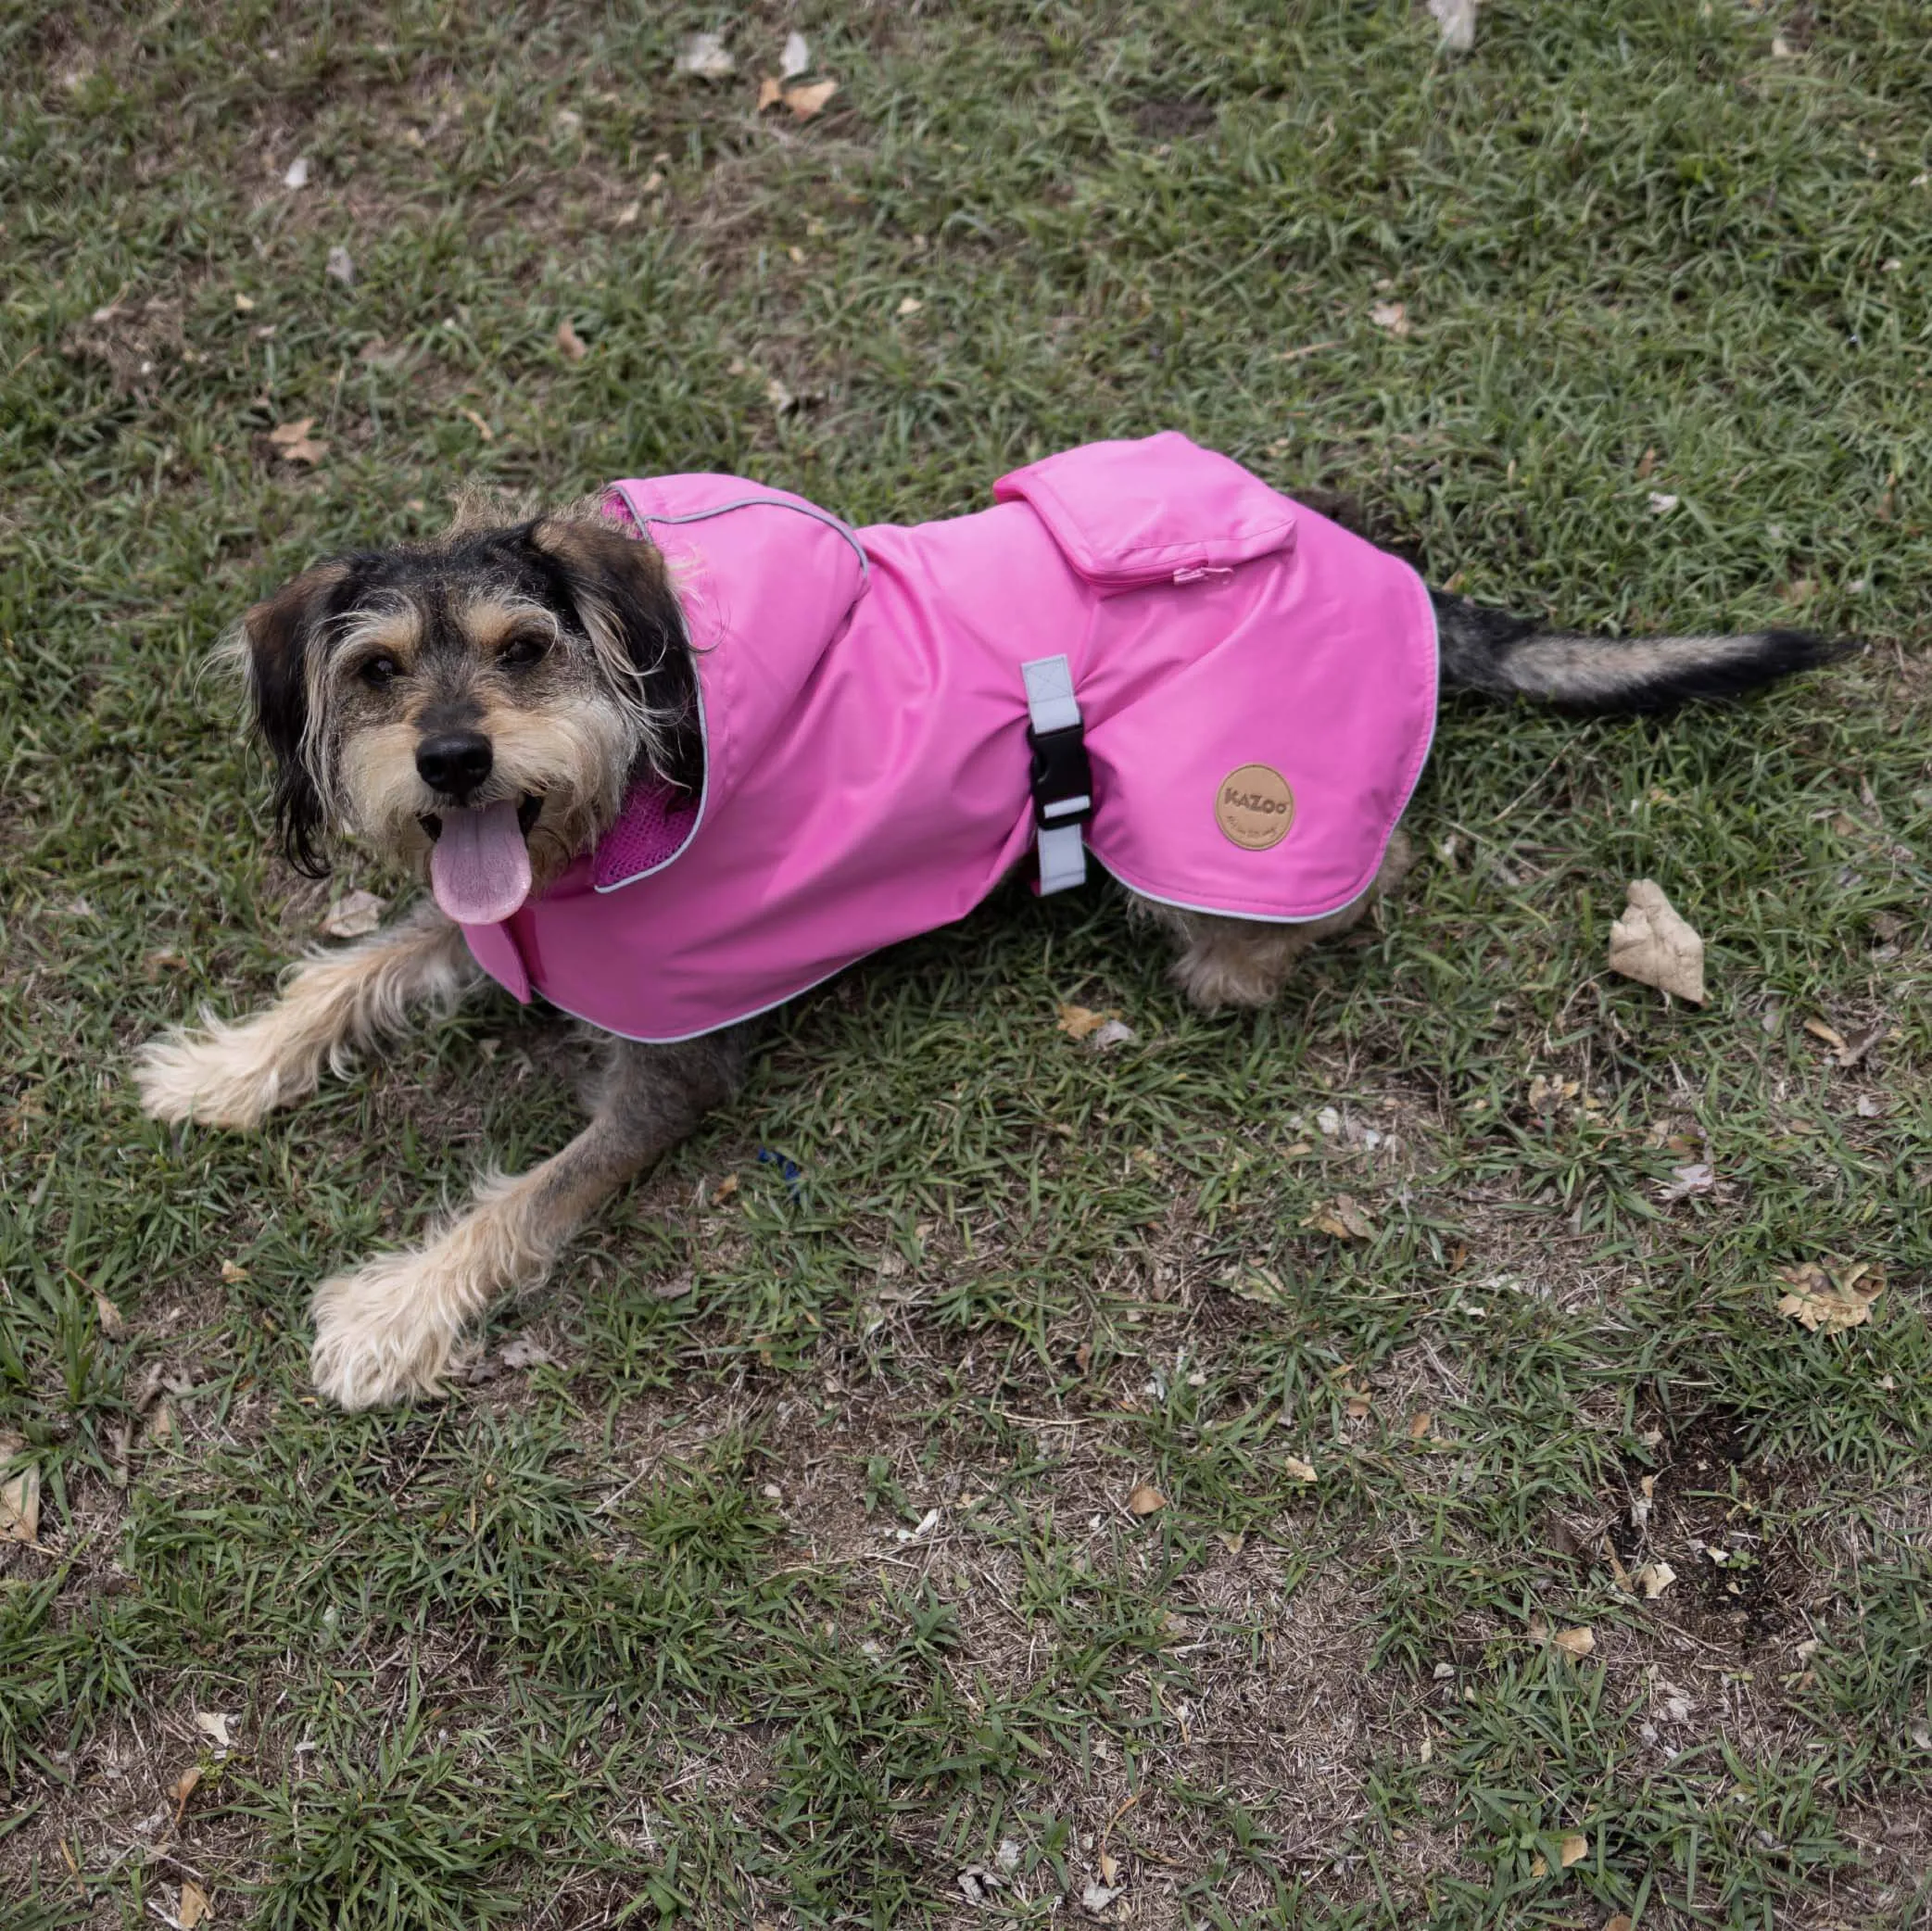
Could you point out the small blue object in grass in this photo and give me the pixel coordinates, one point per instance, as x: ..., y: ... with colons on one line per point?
x: 787, y: 1167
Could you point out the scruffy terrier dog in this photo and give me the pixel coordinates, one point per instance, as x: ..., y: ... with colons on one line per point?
x: 484, y: 711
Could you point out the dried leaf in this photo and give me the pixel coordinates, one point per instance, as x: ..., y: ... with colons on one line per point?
x: 570, y: 342
x: 1078, y: 1021
x: 282, y: 434
x: 482, y: 428
x: 1827, y: 1303
x: 1110, y: 1867
x: 1653, y: 1579
x: 1572, y: 1849
x: 1644, y: 465
x: 1661, y: 502
x: 1345, y: 1217
x: 1146, y: 1500
x: 1685, y: 1181
x: 113, y: 1322
x: 1392, y: 316
x: 523, y: 1351
x: 355, y: 916
x: 1115, y: 1032
x: 1652, y: 944
x: 1419, y: 1423
x: 244, y: 304
x: 771, y: 91
x: 20, y: 1496
x: 778, y: 396
x: 1097, y: 1896
x: 806, y: 101
x: 1359, y: 1405
x: 233, y: 1271
x: 797, y: 58
x: 706, y: 56
x: 1301, y: 1471
x: 341, y: 265
x: 183, y: 1789
x: 1233, y: 1541
x: 1456, y: 23
x: 1575, y: 1642
x: 1620, y: 1923
x: 298, y: 175
x: 909, y: 305
x: 162, y: 1427
x: 1083, y: 1357
x: 214, y: 1726
x: 194, y: 1908
x: 1820, y: 1030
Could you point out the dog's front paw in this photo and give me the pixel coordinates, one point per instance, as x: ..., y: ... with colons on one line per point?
x: 379, y: 1338
x: 226, y: 1076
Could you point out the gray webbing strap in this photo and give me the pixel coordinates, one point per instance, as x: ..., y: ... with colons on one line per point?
x: 1051, y: 706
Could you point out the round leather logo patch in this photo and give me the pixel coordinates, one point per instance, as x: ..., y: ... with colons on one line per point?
x: 1255, y: 807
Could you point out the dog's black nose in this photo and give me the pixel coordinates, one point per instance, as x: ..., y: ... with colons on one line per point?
x: 454, y: 763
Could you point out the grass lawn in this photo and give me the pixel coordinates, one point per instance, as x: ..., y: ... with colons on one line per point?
x: 782, y: 1574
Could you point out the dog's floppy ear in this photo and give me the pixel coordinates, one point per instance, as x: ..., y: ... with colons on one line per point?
x: 619, y: 590
x: 280, y: 636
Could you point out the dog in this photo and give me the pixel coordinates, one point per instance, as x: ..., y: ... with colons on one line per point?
x: 531, y: 712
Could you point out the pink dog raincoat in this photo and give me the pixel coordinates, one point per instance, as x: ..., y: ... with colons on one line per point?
x: 1257, y: 687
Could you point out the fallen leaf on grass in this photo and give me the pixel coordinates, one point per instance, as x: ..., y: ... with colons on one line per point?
x: 482, y: 428
x: 20, y: 1496
x: 293, y: 444
x: 1456, y: 21
x: 1620, y: 1923
x: 807, y: 101
x: 233, y: 1271
x: 1419, y: 1423
x: 1146, y: 1500
x: 1115, y: 1033
x: 1097, y: 1896
x: 1653, y: 1579
x: 909, y: 305
x: 355, y: 916
x: 1661, y: 502
x: 524, y: 1353
x: 797, y: 58
x: 195, y: 1907
x: 706, y: 56
x: 1685, y: 1181
x: 1572, y: 1849
x: 214, y: 1726
x: 1652, y: 944
x: 1359, y: 1405
x: 771, y: 91
x: 341, y: 267
x: 183, y: 1789
x: 1078, y: 1021
x: 298, y: 174
x: 1392, y: 316
x: 570, y: 342
x: 244, y: 304
x: 1301, y: 1471
x: 1345, y: 1217
x: 1826, y: 1304
x: 1575, y: 1642
x: 113, y: 1322
x: 1110, y: 1867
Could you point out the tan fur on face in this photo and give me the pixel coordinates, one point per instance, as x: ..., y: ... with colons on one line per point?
x: 493, y: 617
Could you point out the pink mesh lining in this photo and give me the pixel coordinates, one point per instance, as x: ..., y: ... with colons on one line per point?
x: 655, y: 824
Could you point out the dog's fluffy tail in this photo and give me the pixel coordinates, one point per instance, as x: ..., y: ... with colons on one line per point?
x: 1491, y: 650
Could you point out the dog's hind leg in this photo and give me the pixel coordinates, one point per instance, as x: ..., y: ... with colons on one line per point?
x: 387, y: 1331
x: 1245, y: 962
x: 228, y: 1074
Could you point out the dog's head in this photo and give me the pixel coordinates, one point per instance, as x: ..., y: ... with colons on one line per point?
x: 482, y: 704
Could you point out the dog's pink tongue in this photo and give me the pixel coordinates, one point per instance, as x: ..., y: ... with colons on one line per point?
x: 479, y: 868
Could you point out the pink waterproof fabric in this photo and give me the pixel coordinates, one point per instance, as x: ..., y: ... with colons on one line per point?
x: 865, y: 723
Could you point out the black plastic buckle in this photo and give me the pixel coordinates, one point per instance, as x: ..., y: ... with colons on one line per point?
x: 1061, y: 773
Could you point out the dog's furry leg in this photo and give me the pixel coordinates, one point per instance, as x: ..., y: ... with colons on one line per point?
x: 387, y: 1331
x: 231, y: 1074
x: 1243, y: 961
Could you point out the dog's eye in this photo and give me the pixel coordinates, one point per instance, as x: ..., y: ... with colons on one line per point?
x: 379, y: 671
x: 527, y: 647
